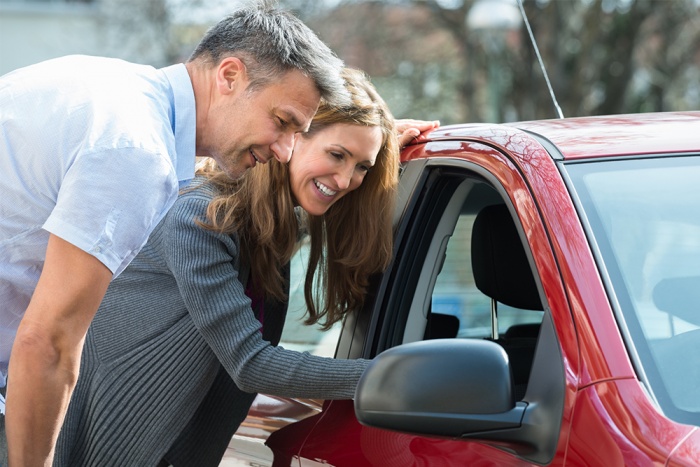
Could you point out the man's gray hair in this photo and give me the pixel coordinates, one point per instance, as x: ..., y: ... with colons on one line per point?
x: 271, y: 42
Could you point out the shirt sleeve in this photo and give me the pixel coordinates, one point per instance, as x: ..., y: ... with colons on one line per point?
x: 204, y: 266
x: 110, y: 201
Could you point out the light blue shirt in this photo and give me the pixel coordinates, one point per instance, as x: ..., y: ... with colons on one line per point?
x: 91, y: 150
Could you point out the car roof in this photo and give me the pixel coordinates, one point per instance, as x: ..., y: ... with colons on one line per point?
x: 600, y: 136
x: 618, y: 135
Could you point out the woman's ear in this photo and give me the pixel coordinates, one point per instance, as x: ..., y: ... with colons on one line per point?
x: 231, y: 76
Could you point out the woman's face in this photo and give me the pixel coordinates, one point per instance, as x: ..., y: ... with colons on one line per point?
x: 331, y: 163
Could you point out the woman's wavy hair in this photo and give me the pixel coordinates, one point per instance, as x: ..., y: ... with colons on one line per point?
x: 349, y: 243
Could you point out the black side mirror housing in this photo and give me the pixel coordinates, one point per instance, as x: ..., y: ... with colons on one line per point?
x: 442, y: 387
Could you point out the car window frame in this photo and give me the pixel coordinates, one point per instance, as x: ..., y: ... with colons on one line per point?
x: 389, y: 315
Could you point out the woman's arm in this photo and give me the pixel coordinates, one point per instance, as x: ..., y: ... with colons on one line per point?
x: 205, y: 265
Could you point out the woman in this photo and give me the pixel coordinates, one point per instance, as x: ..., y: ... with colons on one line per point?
x: 178, y: 350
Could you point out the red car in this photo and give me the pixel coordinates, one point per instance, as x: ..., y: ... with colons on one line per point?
x: 543, y: 306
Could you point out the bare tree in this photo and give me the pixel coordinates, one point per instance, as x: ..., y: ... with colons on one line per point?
x: 603, y: 56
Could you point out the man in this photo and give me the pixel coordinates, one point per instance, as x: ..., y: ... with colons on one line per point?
x: 91, y: 153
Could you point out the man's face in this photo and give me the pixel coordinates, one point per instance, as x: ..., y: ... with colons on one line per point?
x: 246, y: 127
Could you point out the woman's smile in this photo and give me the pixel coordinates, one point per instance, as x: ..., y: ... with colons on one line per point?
x: 324, y: 189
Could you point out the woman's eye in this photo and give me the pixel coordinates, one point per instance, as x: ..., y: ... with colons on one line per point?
x: 337, y: 155
x: 282, y: 121
x: 363, y: 168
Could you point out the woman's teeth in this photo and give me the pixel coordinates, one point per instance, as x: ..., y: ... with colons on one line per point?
x: 324, y: 189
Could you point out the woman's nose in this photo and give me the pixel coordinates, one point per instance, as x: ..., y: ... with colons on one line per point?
x: 344, y: 177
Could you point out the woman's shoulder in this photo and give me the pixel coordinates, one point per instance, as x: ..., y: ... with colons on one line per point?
x: 192, y: 202
x: 198, y: 187
x: 186, y: 221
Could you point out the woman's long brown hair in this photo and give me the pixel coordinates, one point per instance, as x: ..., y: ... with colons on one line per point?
x: 349, y: 243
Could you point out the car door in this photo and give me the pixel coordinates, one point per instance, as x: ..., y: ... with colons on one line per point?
x: 435, y: 289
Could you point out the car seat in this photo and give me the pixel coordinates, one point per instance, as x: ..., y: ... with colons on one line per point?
x: 503, y: 273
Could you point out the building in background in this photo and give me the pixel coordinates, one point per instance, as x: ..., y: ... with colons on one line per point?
x: 136, y: 30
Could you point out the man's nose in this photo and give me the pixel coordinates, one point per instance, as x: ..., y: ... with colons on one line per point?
x: 282, y: 148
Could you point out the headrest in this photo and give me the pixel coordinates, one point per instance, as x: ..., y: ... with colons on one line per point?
x: 500, y: 266
x: 441, y: 326
x: 679, y: 296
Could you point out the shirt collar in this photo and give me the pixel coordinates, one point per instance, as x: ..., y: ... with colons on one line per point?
x: 185, y: 123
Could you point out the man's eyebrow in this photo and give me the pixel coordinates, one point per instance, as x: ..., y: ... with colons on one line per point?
x: 293, y: 119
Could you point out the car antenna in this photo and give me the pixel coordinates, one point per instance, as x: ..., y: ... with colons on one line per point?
x: 539, y: 58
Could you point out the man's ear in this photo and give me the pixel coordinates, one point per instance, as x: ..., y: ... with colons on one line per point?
x: 231, y: 76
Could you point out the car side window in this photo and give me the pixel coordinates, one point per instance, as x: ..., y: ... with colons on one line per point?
x: 296, y: 335
x: 456, y: 294
x: 484, y: 287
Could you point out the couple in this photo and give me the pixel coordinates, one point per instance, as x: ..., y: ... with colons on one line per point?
x: 181, y: 342
x: 177, y: 339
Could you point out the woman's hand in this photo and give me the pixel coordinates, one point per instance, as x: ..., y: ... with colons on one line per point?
x: 410, y: 130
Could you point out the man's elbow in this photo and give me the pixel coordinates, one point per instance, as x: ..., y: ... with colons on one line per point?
x: 37, y: 349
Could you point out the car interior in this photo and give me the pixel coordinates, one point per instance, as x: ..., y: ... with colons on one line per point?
x: 486, y: 268
x: 465, y: 272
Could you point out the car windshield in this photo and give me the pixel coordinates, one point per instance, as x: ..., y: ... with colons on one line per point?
x: 644, y: 217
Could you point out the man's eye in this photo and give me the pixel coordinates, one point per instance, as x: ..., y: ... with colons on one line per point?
x: 282, y: 121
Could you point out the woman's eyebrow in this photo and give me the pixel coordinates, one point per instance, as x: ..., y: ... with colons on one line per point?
x: 343, y: 148
x: 366, y: 161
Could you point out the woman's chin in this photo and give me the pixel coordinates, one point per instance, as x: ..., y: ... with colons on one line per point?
x: 314, y: 209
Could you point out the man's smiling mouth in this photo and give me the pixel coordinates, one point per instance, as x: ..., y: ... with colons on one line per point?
x: 256, y: 157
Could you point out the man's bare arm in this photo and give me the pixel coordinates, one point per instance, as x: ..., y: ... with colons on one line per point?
x: 45, y: 358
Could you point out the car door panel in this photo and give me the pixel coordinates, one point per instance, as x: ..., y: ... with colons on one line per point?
x: 403, y: 289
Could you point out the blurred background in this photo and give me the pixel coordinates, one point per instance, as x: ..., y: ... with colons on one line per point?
x: 452, y: 60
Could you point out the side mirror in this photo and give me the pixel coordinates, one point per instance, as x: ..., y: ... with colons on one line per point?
x: 443, y: 387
